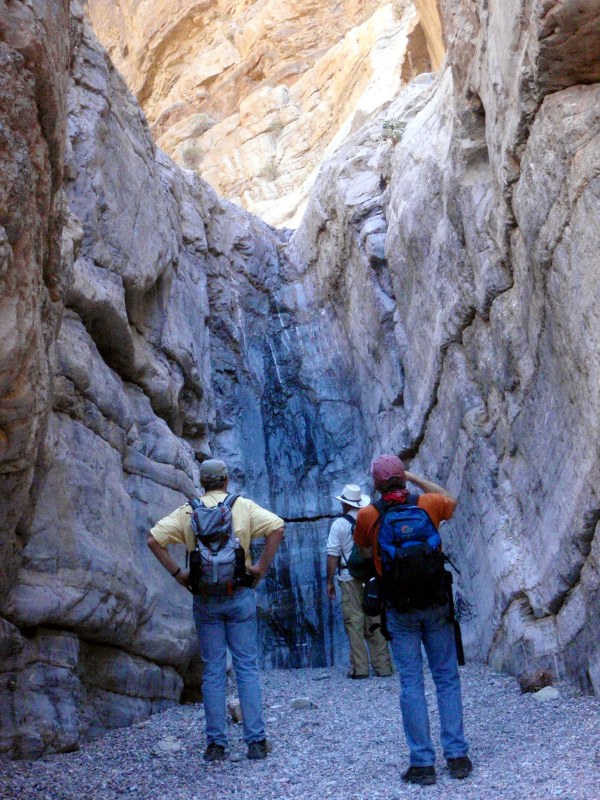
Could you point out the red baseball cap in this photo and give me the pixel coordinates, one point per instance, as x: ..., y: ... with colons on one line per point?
x: 386, y: 467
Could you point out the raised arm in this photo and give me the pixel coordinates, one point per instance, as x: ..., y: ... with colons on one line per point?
x: 428, y: 486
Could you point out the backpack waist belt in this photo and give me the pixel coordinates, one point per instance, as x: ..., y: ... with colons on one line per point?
x: 218, y: 589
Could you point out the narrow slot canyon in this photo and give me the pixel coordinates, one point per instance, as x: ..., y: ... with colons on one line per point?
x: 293, y: 237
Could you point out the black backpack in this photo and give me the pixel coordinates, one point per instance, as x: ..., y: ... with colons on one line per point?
x: 412, y: 562
x: 357, y: 565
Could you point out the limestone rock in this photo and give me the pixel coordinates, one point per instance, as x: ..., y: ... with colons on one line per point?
x: 466, y: 337
x: 546, y: 694
x: 167, y: 746
x: 252, y: 96
x: 235, y: 710
x: 58, y: 690
x: 34, y: 56
x: 109, y: 466
x: 430, y: 18
x: 301, y: 703
x: 534, y: 681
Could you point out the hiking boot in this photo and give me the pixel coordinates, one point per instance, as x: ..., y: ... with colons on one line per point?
x: 214, y: 752
x: 459, y: 767
x: 355, y: 676
x: 257, y: 750
x: 423, y: 776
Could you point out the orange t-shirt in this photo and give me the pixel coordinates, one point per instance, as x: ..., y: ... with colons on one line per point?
x: 438, y: 506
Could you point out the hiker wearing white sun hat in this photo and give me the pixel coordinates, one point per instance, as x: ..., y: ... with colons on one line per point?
x: 352, y: 496
x: 364, y: 641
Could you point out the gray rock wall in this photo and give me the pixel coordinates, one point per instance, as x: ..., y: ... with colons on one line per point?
x: 91, y: 620
x: 439, y: 300
x: 33, y: 46
x: 476, y: 277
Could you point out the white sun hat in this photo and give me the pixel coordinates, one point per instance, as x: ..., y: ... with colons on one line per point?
x: 351, y: 496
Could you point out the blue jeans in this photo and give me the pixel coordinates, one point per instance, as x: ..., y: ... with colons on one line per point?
x: 222, y: 622
x: 431, y: 627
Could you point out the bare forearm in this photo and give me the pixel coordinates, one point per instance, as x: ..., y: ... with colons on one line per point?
x: 427, y: 486
x: 272, y: 542
x: 332, y: 566
x: 168, y: 562
x: 162, y: 554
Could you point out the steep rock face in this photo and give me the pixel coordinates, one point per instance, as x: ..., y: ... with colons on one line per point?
x: 541, y: 138
x: 81, y: 598
x: 430, y: 18
x: 439, y: 299
x: 252, y: 95
x: 95, y: 634
x: 158, y: 47
x: 477, y: 266
x: 34, y: 56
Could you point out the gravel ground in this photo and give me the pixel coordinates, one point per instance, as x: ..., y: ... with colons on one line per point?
x: 350, y: 747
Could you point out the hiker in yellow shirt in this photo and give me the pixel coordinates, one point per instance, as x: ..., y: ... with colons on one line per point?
x: 224, y: 608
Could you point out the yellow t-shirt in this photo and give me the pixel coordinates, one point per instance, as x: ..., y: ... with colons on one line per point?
x: 250, y: 521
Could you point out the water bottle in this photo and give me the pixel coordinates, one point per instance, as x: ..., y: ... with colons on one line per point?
x: 372, y: 599
x: 240, y: 563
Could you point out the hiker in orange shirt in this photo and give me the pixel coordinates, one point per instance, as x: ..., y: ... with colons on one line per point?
x: 400, y: 532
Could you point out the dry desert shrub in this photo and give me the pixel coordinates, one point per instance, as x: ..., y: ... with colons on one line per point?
x: 534, y: 681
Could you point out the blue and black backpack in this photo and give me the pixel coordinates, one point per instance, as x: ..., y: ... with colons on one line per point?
x: 413, y: 573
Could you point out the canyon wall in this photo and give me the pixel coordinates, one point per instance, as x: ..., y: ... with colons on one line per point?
x: 32, y: 108
x: 454, y: 244
x: 128, y: 388
x: 252, y: 95
x: 77, y: 612
x: 439, y: 299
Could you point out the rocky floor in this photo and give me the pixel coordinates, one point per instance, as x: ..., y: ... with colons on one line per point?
x: 349, y: 747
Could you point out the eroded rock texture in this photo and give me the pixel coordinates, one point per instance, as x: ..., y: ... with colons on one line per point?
x: 33, y: 41
x: 78, y: 579
x: 439, y: 299
x: 469, y: 291
x: 94, y: 633
x: 251, y: 95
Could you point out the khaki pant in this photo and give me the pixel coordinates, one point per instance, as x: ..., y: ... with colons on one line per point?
x: 357, y: 626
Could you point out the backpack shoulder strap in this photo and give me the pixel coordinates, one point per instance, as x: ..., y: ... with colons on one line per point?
x: 343, y: 561
x: 381, y: 506
x: 230, y: 500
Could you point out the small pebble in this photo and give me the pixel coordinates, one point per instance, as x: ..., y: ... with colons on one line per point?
x: 235, y: 710
x: 303, y: 702
x: 547, y: 693
x: 350, y: 746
